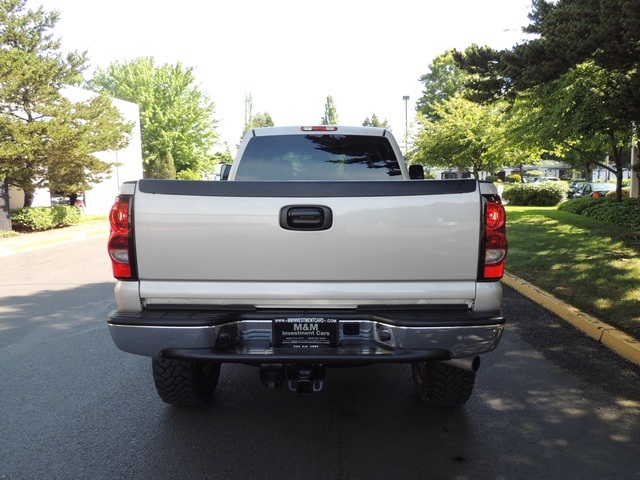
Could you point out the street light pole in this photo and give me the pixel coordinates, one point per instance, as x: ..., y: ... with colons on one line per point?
x: 635, y: 165
x: 406, y: 123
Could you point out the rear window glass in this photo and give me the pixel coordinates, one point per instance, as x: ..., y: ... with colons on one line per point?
x: 318, y: 157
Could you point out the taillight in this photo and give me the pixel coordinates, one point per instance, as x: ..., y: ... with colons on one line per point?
x: 119, y: 246
x: 320, y: 128
x: 495, y: 239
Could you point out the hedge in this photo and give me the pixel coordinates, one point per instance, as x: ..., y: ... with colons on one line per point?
x: 44, y: 218
x: 539, y: 194
x: 624, y: 214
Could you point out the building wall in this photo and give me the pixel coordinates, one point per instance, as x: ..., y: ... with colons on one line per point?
x: 99, y: 199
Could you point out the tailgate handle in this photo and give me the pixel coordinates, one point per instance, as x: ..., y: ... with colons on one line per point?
x: 306, y: 217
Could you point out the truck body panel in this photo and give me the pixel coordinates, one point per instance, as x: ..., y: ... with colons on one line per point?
x: 440, y: 238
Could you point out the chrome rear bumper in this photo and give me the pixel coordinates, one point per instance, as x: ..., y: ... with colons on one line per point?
x: 246, y: 337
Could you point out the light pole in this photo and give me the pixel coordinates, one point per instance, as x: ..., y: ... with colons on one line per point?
x: 406, y: 122
x: 635, y: 165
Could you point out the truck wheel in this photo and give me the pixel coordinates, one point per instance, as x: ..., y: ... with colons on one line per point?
x: 185, y: 383
x: 440, y: 385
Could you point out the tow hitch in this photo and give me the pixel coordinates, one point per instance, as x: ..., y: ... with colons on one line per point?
x: 302, y: 378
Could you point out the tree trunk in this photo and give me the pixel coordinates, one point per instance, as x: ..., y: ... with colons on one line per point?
x: 28, y: 198
x: 5, y: 214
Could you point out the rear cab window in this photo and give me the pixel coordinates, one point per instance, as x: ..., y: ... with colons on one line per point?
x: 318, y: 157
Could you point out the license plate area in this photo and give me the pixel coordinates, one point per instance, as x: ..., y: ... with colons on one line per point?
x: 305, y: 332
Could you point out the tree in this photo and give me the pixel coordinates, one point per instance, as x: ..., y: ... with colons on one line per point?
x: 465, y: 135
x: 585, y: 58
x: 443, y: 81
x: 330, y: 116
x: 46, y: 140
x: 176, y: 117
x: 252, y: 121
x: 374, y: 121
x: 571, y: 114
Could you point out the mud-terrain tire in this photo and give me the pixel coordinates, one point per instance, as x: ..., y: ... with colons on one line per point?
x: 184, y: 383
x: 441, y: 385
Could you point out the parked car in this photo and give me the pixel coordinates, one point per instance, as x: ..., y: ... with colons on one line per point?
x: 575, y: 186
x: 543, y: 179
x: 595, y: 190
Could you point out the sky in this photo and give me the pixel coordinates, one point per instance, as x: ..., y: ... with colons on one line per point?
x: 289, y: 55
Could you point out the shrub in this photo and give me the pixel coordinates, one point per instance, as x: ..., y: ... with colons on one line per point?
x: 43, y: 218
x: 513, y: 178
x: 624, y: 214
x: 578, y: 205
x: 544, y: 194
x: 534, y: 173
x: 64, y: 216
x: 31, y: 219
x: 492, y: 178
x: 626, y: 192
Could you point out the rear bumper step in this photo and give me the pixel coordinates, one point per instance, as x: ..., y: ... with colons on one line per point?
x: 364, y: 354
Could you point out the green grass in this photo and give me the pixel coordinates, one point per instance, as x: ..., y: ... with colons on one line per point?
x: 93, y: 218
x: 590, y: 264
x: 8, y: 233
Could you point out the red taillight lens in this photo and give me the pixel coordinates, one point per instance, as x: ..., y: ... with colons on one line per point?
x: 118, y: 245
x: 495, y: 239
x: 495, y: 215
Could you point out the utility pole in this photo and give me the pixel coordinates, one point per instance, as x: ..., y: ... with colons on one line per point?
x: 406, y: 123
x: 635, y: 169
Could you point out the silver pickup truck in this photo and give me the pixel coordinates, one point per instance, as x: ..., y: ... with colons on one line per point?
x: 332, y: 255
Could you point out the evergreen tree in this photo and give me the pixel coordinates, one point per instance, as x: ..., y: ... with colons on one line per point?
x: 374, y: 121
x: 46, y: 140
x: 330, y: 116
x: 163, y: 167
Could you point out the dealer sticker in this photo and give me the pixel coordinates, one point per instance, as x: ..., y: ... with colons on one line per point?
x: 305, y: 332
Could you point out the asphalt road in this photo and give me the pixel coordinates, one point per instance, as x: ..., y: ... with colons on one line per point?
x: 549, y: 402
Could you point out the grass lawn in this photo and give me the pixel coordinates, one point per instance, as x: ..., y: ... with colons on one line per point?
x: 592, y: 265
x: 93, y: 218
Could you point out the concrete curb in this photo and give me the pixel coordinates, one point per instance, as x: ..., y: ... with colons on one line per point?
x: 621, y: 343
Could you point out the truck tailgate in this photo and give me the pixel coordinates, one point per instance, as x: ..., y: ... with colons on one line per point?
x: 380, y: 232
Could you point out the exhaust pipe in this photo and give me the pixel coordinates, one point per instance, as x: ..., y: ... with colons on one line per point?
x: 472, y: 364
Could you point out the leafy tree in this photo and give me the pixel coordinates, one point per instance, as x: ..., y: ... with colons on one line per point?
x: 374, y: 121
x: 569, y: 115
x: 46, y: 140
x: 176, y: 117
x: 443, y: 81
x: 464, y: 134
x: 330, y: 116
